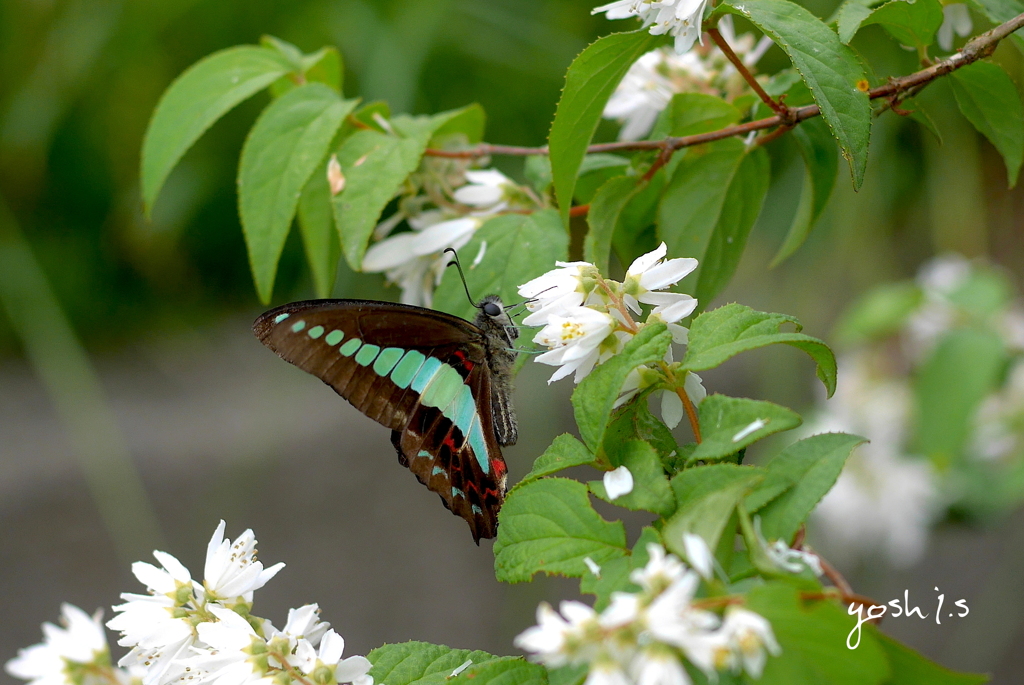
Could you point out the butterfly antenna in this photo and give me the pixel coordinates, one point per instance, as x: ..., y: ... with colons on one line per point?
x: 458, y: 266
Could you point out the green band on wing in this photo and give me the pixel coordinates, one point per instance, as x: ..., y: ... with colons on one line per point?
x: 423, y: 453
x: 349, y: 348
x: 476, y: 441
x: 406, y: 369
x: 387, y: 359
x: 462, y: 409
x: 334, y: 337
x: 281, y: 317
x: 442, y: 389
x: 458, y: 493
x: 315, y: 332
x: 298, y: 326
x: 426, y: 373
x: 438, y: 471
x: 367, y: 354
x: 477, y: 510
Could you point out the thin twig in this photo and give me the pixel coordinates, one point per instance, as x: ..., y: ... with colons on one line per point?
x: 778, y: 107
x: 977, y: 48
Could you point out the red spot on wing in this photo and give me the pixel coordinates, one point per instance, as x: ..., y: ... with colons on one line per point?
x: 464, y: 361
x: 499, y: 467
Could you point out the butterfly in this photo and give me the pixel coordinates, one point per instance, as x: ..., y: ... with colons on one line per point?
x: 442, y: 385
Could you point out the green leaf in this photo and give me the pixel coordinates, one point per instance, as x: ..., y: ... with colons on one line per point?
x: 742, y: 206
x: 563, y: 453
x: 722, y: 333
x: 700, y: 481
x: 989, y: 99
x: 316, y: 224
x: 821, y: 165
x: 605, y: 208
x: 595, y: 171
x: 796, y: 480
x: 850, y: 15
x: 963, y: 369
x: 203, y: 93
x: 375, y: 165
x: 911, y: 668
x: 548, y: 526
x: 634, y: 421
x: 590, y: 81
x: 693, y: 113
x: 286, y: 144
x: 911, y: 23
x: 708, y: 514
x: 594, y: 398
x: 813, y: 636
x: 509, y: 670
x: 517, y: 248
x: 421, y: 663
x: 323, y: 66
x: 467, y: 123
x: 880, y: 313
x: 692, y: 202
x: 651, y: 491
x: 728, y: 424
x: 829, y: 68
x: 568, y: 675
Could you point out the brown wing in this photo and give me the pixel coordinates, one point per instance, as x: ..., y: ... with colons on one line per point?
x: 422, y: 373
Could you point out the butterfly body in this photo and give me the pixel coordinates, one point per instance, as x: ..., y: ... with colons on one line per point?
x: 440, y: 383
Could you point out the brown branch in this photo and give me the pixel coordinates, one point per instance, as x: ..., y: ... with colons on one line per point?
x: 778, y: 107
x: 896, y: 89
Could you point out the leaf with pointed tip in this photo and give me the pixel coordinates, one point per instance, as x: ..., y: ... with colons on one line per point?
x: 286, y: 144
x: 651, y: 491
x: 421, y: 663
x: 549, y: 526
x: 563, y: 453
x: 830, y: 69
x: 989, y: 99
x: 728, y: 424
x: 708, y: 514
x: 200, y: 96
x: 590, y: 81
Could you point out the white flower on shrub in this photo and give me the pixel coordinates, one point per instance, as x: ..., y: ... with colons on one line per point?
x: 647, y: 88
x: 956, y: 19
x: 644, y: 638
x: 678, y: 18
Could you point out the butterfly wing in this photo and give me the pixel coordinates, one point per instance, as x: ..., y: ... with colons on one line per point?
x: 421, y: 373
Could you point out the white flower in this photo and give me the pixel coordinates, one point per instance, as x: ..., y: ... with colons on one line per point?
x: 231, y: 654
x: 698, y: 554
x: 660, y: 571
x: 232, y: 571
x: 606, y: 672
x: 792, y: 560
x: 672, y: 619
x: 80, y: 642
x: 679, y: 18
x: 655, y: 665
x: 650, y: 272
x: 305, y: 622
x: 618, y: 482
x: 750, y: 634
x: 641, y: 96
x: 671, y: 408
x: 556, y: 641
x: 485, y: 190
x: 554, y: 292
x: 327, y: 666
x: 573, y: 341
x: 710, y: 651
x: 956, y: 19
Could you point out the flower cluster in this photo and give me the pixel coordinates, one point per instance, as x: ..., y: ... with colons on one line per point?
x: 680, y: 19
x: 587, y: 319
x: 643, y: 638
x: 444, y: 212
x: 647, y: 88
x: 185, y: 631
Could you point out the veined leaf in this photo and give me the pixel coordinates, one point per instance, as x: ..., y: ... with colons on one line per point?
x: 911, y: 23
x: 286, y: 144
x: 707, y: 514
x: 722, y: 333
x: 594, y: 398
x: 319, y: 238
x: 821, y: 165
x: 421, y: 663
x: 512, y: 249
x: 829, y: 68
x: 651, y: 491
x: 590, y: 81
x: 323, y: 66
x: 728, y: 424
x: 201, y: 95
x: 548, y: 526
x: 850, y: 15
x: 989, y: 99
x: 564, y: 452
x: 740, y: 210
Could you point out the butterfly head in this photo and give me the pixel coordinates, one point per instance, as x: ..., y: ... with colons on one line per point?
x: 494, y: 320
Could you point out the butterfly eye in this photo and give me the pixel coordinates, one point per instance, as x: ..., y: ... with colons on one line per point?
x: 491, y: 309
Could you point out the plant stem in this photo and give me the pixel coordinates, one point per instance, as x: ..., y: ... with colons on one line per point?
x: 779, y: 108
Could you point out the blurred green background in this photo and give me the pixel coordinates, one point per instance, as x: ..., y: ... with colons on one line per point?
x: 136, y: 409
